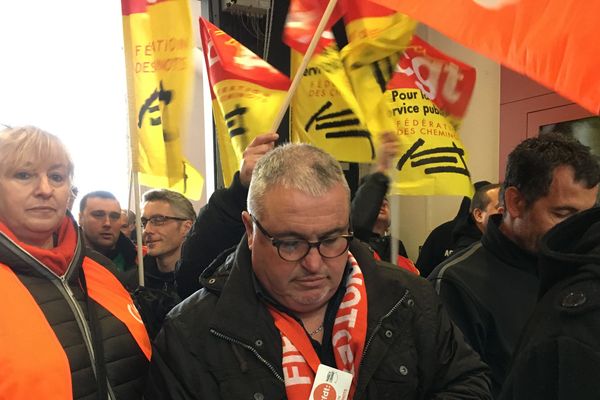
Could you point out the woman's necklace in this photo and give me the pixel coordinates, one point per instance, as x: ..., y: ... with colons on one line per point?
x: 319, y: 329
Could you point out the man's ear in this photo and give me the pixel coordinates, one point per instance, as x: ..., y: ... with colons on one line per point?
x: 187, y: 225
x: 249, y: 225
x: 514, y: 202
x: 478, y: 216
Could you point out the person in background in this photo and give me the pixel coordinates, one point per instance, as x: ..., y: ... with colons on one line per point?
x: 68, y: 328
x: 371, y: 215
x: 100, y: 220
x: 167, y: 217
x: 558, y: 356
x: 72, y: 197
x: 298, y: 294
x: 219, y: 224
x: 490, y: 289
x: 128, y: 224
x: 469, y: 230
x: 438, y: 244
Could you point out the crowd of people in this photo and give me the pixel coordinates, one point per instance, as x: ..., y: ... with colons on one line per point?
x: 282, y: 283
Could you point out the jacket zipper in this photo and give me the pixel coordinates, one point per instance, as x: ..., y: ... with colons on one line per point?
x: 253, y: 350
x: 379, y: 323
x: 77, y: 312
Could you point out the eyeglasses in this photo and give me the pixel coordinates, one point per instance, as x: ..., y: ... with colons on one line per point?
x: 101, y: 215
x: 159, y: 220
x: 296, y: 249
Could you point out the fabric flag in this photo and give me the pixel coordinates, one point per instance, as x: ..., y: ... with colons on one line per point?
x: 248, y: 93
x: 158, y: 50
x: 425, y: 101
x: 376, y: 38
x: 325, y: 112
x: 546, y: 40
x: 302, y: 20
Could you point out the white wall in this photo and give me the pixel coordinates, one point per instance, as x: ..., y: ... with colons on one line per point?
x: 479, y: 133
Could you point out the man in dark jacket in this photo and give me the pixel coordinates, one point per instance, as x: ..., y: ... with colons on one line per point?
x: 292, y: 299
x: 371, y: 214
x: 219, y: 224
x: 469, y: 230
x: 100, y: 220
x: 491, y: 288
x: 558, y: 357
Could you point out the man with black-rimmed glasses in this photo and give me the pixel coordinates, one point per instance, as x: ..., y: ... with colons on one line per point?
x: 300, y: 295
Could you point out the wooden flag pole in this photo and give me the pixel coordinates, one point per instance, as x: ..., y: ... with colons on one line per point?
x: 395, y: 227
x: 138, y: 227
x: 309, y: 53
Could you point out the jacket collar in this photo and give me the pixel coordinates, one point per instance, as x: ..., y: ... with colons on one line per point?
x: 505, y: 249
x: 568, y: 247
x: 240, y: 313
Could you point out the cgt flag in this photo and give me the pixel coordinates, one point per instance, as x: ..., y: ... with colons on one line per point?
x: 547, y: 40
x: 425, y: 101
x: 158, y: 50
x: 247, y: 94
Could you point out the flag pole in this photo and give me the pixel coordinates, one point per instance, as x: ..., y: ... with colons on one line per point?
x: 395, y: 227
x: 138, y: 228
x: 300, y: 72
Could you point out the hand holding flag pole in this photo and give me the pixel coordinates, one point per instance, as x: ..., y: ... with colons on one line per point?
x: 309, y: 53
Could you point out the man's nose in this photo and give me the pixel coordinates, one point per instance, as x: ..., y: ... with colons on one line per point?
x: 312, y: 261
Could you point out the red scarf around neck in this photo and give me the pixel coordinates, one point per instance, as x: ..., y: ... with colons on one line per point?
x: 300, y: 361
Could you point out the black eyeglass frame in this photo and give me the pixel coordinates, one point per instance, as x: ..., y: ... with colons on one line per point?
x: 278, y: 242
x: 166, y: 217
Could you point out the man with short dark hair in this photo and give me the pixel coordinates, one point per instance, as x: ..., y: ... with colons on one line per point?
x: 299, y: 295
x: 470, y: 228
x: 100, y: 220
x: 491, y: 288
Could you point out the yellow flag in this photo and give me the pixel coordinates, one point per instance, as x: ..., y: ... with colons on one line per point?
x: 325, y: 112
x: 376, y: 38
x: 247, y: 94
x: 158, y: 49
x: 425, y: 102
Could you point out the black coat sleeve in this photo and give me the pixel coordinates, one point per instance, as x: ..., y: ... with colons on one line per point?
x: 366, y: 204
x: 218, y: 227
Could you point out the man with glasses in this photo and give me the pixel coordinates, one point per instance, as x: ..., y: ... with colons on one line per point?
x: 167, y: 217
x: 100, y: 220
x: 299, y: 295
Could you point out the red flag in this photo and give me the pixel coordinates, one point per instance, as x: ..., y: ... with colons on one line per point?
x: 547, y: 40
x: 447, y: 82
x: 302, y: 21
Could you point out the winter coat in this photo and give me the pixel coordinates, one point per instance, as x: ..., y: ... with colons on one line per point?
x: 221, y: 342
x: 69, y: 334
x: 490, y: 290
x: 558, y: 356
x: 218, y: 227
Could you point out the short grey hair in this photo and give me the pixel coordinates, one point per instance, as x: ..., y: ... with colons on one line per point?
x: 294, y: 166
x: 178, y: 202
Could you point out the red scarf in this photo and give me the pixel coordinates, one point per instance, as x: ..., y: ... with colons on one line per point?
x: 58, y: 258
x: 300, y: 361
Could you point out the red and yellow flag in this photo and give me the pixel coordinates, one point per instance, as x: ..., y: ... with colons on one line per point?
x: 547, y: 40
x: 376, y: 38
x: 302, y: 20
x: 425, y: 101
x: 325, y: 112
x: 247, y: 90
x: 158, y: 50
